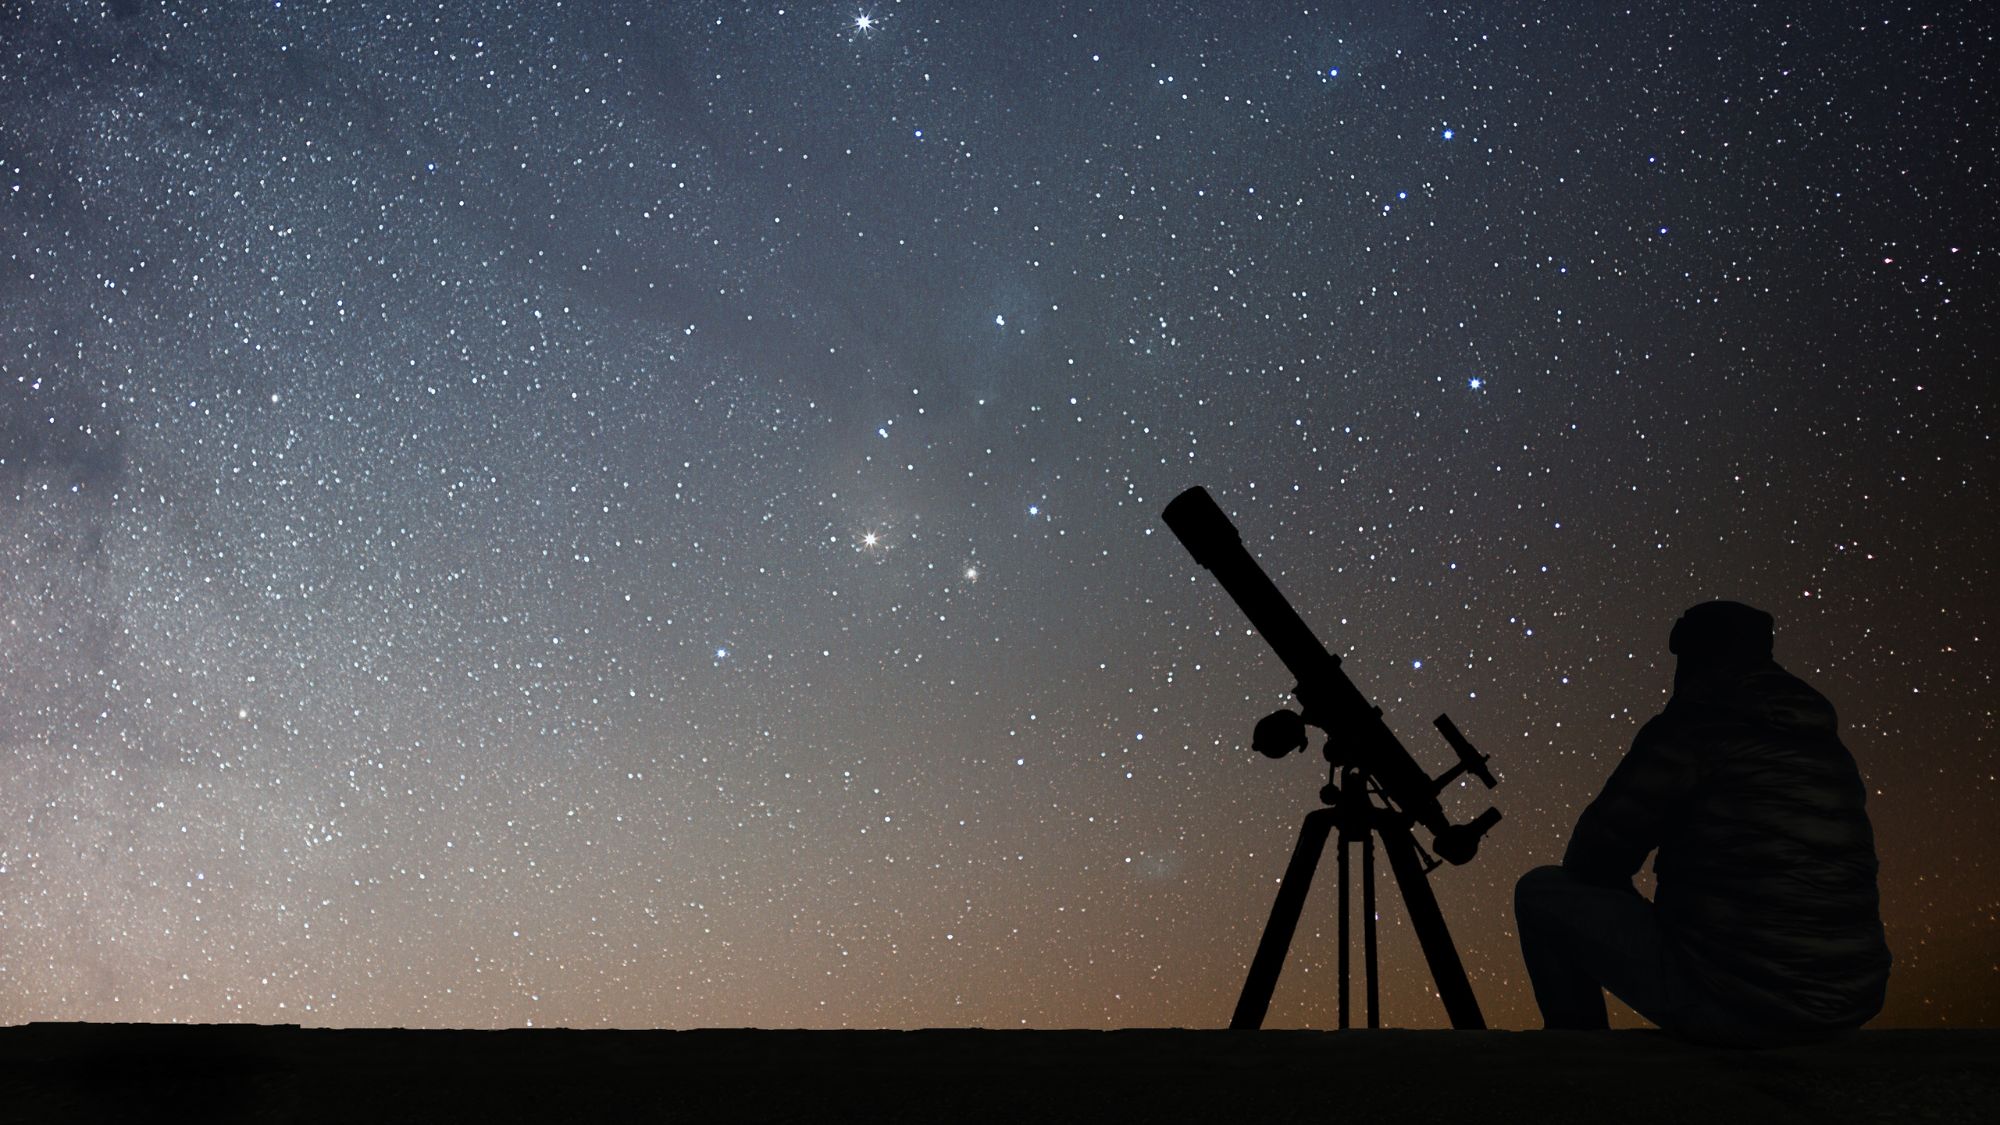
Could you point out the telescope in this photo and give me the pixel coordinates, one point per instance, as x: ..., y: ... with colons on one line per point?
x: 1375, y: 788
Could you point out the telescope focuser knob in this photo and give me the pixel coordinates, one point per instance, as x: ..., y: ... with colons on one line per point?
x: 1279, y: 733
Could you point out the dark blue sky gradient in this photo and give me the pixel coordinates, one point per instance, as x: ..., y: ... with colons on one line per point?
x: 647, y: 514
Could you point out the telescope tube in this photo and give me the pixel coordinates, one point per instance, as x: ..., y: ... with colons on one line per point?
x: 1329, y: 699
x: 1208, y: 535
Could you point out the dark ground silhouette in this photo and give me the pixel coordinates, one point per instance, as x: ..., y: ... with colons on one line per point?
x: 131, y: 1072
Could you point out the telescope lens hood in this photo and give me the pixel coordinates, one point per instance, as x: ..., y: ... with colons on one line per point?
x: 1200, y: 525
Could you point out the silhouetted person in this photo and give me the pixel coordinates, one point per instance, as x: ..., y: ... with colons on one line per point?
x: 1765, y: 926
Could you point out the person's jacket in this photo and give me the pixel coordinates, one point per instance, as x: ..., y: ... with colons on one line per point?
x: 1766, y: 874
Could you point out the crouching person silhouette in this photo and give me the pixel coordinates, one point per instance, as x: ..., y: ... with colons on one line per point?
x: 1765, y: 927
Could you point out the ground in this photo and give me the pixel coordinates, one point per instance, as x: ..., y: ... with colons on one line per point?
x: 122, y: 1072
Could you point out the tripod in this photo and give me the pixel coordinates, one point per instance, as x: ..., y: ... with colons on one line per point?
x: 1359, y: 820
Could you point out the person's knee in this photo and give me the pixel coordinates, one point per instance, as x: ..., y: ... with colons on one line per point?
x: 1539, y: 890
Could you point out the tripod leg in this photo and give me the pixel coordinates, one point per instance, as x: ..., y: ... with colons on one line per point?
x: 1368, y: 928
x: 1277, y: 940
x: 1344, y: 841
x: 1418, y: 898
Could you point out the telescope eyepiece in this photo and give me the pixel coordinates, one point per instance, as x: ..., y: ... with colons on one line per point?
x: 1458, y: 843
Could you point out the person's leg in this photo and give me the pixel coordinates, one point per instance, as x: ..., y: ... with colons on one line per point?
x: 1580, y: 939
x: 1570, y: 994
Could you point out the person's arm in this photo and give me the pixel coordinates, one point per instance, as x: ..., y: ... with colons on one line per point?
x: 1629, y: 818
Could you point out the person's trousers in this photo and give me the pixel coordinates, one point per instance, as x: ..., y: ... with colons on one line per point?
x: 1582, y: 939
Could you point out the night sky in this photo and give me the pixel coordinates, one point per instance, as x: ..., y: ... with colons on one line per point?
x: 647, y: 514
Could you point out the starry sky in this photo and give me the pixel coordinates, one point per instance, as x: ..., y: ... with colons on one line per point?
x: 647, y: 515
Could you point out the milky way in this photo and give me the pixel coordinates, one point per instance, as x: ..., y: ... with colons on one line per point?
x: 648, y: 514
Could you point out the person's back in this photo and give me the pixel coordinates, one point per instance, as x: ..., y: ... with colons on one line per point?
x: 1768, y: 878
x: 1765, y: 925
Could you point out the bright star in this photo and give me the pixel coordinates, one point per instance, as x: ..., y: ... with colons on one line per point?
x: 870, y: 539
x: 1475, y: 382
x: 721, y: 653
x: 972, y: 574
x: 1449, y: 134
x: 864, y: 23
